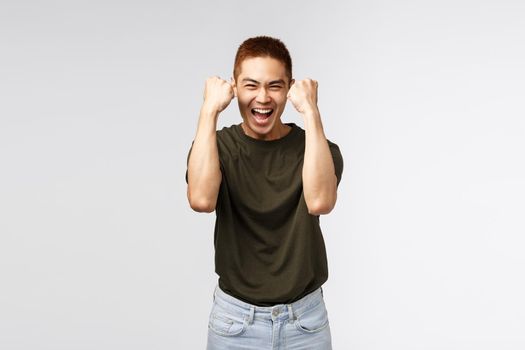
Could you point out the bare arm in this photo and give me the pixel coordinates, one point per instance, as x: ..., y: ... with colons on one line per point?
x: 319, y: 179
x: 204, y: 174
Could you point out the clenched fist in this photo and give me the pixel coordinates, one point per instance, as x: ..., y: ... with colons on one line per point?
x: 303, y: 95
x: 218, y: 94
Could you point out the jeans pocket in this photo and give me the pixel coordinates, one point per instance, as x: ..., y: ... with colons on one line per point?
x: 227, y: 323
x: 313, y: 320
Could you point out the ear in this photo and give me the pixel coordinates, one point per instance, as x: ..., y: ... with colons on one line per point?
x: 234, y: 85
x: 292, y: 82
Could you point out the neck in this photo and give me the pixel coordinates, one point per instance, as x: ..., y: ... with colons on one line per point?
x: 281, y: 130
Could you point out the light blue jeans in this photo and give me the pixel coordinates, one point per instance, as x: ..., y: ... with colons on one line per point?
x: 235, y: 324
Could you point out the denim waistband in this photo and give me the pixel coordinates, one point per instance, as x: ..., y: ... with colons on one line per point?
x: 269, y: 312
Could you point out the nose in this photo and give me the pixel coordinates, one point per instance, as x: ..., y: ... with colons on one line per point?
x: 262, y: 96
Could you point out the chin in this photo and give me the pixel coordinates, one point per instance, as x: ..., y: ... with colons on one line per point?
x: 261, y: 125
x: 260, y: 128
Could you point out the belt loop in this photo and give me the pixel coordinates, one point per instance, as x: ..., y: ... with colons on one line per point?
x: 290, y: 314
x: 250, y: 317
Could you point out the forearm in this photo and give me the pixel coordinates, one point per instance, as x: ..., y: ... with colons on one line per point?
x: 204, y: 174
x: 319, y: 180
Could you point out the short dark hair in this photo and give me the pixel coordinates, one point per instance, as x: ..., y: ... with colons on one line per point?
x: 263, y: 46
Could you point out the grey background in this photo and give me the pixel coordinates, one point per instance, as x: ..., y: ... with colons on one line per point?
x: 99, y: 103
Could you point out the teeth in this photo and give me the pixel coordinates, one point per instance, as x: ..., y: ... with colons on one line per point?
x: 263, y: 111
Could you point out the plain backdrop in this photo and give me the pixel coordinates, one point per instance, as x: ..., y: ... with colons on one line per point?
x: 99, y: 102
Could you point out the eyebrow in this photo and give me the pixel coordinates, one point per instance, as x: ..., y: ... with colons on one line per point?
x: 280, y: 81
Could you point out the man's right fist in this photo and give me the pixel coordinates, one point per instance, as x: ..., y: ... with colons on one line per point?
x: 218, y: 94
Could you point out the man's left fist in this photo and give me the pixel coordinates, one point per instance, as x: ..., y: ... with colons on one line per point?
x: 303, y: 95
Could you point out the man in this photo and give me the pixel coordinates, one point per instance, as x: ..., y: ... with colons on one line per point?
x: 268, y: 182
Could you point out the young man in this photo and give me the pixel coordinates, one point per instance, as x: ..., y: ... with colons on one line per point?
x: 268, y: 182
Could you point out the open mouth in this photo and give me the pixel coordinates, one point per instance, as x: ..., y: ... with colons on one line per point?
x: 262, y: 114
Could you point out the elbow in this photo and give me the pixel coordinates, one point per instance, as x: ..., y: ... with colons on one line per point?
x: 322, y: 201
x: 201, y: 204
x: 320, y: 207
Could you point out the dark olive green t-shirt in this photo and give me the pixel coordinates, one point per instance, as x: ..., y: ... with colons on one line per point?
x: 268, y: 249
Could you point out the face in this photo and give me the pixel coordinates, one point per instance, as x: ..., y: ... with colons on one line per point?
x: 261, y: 89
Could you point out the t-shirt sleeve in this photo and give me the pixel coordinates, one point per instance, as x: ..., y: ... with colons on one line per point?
x: 187, y: 161
x: 338, y: 160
